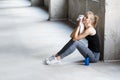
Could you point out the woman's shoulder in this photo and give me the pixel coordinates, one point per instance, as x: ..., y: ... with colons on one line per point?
x: 92, y: 31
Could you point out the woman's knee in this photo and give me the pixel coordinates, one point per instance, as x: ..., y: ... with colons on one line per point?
x: 75, y: 43
x: 79, y: 44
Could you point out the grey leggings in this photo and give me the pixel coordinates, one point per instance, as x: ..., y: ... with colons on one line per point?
x: 85, y: 51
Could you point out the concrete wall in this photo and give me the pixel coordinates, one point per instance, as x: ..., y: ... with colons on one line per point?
x: 112, y: 30
x: 46, y: 3
x: 58, y: 9
x: 76, y: 7
x: 37, y: 2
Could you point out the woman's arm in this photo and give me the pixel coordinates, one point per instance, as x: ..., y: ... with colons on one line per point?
x: 76, y: 33
x: 72, y: 34
x: 76, y: 29
x: 81, y: 36
x: 88, y: 31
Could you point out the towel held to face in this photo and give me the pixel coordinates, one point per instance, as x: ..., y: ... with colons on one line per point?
x: 82, y: 27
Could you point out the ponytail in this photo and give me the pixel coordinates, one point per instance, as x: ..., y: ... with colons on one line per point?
x: 95, y: 21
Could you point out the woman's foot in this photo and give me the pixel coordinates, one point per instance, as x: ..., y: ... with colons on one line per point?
x: 52, y: 60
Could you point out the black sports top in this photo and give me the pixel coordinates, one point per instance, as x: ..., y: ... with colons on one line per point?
x: 93, y: 43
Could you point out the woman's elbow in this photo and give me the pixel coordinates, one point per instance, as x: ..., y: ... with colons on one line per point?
x: 76, y: 38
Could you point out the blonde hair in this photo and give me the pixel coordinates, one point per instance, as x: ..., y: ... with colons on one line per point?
x: 95, y: 19
x: 89, y: 12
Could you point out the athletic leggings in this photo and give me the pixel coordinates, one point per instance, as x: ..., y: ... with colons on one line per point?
x: 85, y: 51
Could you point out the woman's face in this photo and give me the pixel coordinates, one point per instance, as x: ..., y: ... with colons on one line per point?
x: 88, y: 19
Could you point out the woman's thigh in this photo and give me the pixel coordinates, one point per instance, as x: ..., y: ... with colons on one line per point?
x: 84, y: 50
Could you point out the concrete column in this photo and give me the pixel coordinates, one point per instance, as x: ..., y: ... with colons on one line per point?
x: 46, y: 3
x: 37, y: 2
x: 58, y: 9
x: 112, y: 30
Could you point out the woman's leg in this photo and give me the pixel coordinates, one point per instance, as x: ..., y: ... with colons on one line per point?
x: 86, y: 52
x: 71, y: 46
x: 66, y: 50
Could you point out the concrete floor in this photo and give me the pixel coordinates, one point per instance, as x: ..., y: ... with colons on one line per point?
x: 27, y: 38
x: 14, y: 3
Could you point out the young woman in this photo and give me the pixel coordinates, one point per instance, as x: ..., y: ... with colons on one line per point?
x: 92, y: 51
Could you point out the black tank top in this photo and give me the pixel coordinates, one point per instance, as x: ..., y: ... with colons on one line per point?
x: 93, y: 43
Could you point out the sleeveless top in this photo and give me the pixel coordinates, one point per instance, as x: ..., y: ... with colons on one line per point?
x: 93, y: 43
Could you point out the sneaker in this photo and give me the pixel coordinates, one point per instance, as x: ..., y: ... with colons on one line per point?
x: 52, y: 60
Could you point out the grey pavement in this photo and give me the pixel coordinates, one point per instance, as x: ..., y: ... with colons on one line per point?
x: 27, y: 38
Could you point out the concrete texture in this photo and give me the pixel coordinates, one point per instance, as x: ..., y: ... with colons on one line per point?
x: 76, y: 7
x: 112, y: 30
x: 46, y: 4
x: 58, y: 9
x: 37, y: 2
x: 26, y: 39
x: 14, y: 3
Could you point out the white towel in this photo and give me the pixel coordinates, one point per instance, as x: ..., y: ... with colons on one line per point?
x: 82, y: 27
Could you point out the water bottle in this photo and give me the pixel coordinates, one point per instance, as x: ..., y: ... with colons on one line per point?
x: 87, y: 61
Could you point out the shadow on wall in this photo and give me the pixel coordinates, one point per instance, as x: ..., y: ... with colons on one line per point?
x: 37, y: 2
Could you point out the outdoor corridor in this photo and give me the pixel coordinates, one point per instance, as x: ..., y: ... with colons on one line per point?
x: 27, y: 38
